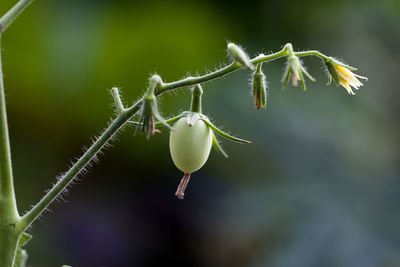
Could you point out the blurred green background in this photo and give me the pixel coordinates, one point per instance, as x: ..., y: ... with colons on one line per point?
x: 320, y: 185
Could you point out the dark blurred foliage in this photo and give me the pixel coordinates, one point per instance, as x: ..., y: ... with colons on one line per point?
x: 319, y: 187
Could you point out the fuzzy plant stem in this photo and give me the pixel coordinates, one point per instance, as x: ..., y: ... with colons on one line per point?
x: 219, y: 73
x: 197, y: 92
x: 66, y: 179
x: 124, y: 116
x: 11, y: 224
x: 9, y: 231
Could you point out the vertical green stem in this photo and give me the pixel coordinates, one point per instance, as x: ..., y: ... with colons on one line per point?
x: 197, y: 92
x: 9, y: 230
x: 8, y: 245
x: 8, y: 207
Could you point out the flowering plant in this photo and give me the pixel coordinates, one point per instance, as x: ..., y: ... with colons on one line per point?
x: 191, y: 137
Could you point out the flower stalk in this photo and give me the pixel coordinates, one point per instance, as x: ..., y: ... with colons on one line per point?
x: 195, y: 105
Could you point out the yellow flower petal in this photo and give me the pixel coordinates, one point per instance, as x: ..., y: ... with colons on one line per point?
x: 348, y: 79
x: 346, y: 85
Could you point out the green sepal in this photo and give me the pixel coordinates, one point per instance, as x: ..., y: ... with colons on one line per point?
x: 332, y: 71
x: 329, y: 80
x: 222, y: 133
x: 172, y: 120
x: 218, y: 147
x: 285, y: 78
x: 308, y: 74
x: 169, y: 121
x: 161, y: 120
x: 303, y: 84
x: 337, y: 62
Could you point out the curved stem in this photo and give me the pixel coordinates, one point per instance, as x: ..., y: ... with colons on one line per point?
x: 126, y: 114
x: 59, y: 187
x: 117, y: 100
x: 8, y: 246
x: 10, y: 16
x: 123, y: 117
x: 218, y: 73
x: 311, y: 53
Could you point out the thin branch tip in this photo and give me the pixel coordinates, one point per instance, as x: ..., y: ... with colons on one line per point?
x: 117, y: 100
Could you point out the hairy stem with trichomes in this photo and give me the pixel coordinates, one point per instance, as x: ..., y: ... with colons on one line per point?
x: 12, y: 225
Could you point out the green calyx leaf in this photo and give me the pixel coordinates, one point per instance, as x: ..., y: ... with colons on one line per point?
x: 285, y: 78
x: 148, y: 116
x: 333, y: 74
x: 303, y: 84
x: 308, y: 75
x: 329, y: 80
x: 172, y: 120
x: 168, y: 121
x: 218, y: 147
x: 222, y: 133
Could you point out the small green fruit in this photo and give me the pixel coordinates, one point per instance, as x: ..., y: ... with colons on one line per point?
x: 190, y: 145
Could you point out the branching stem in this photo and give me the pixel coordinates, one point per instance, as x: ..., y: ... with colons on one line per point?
x: 8, y: 207
x: 11, y: 224
x: 58, y: 188
x: 126, y: 114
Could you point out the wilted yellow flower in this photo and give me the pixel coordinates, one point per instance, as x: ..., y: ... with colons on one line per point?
x: 349, y: 79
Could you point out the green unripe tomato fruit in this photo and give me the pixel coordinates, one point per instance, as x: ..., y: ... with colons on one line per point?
x: 190, y: 145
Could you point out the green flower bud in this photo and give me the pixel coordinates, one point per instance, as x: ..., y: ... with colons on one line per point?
x: 238, y: 55
x: 259, y: 86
